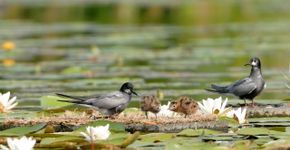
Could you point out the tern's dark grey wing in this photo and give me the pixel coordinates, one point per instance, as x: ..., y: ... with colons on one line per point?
x: 242, y: 87
x: 109, y: 101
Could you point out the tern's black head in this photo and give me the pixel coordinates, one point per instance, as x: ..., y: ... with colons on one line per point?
x: 254, y: 62
x: 128, y: 88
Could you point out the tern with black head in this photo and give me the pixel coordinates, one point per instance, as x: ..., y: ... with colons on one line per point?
x: 108, y: 104
x: 247, y: 88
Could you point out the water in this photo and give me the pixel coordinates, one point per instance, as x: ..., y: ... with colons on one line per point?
x: 149, y: 56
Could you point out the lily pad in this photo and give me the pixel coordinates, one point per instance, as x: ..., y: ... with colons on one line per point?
x: 156, y: 137
x: 197, y: 132
x: 52, y: 101
x: 196, y: 146
x: 257, y: 131
x: 18, y: 131
x: 67, y: 138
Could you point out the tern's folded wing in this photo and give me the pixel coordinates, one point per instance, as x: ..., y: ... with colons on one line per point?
x: 109, y: 101
x: 243, y: 87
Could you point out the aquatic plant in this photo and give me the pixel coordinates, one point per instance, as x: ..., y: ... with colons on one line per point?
x: 7, y: 104
x: 96, y: 133
x: 214, y: 106
x: 23, y: 143
x: 8, y: 46
x: 238, y: 114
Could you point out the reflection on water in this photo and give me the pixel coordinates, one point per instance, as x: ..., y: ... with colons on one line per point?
x: 197, y: 43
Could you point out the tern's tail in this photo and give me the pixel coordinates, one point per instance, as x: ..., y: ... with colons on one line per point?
x: 75, y: 99
x: 71, y: 97
x: 72, y: 101
x: 218, y: 89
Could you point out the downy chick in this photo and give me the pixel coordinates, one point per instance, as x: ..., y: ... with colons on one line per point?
x: 151, y: 104
x: 184, y: 105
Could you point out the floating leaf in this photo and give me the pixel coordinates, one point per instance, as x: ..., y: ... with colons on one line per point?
x: 217, y: 138
x: 52, y: 101
x: 66, y: 138
x: 230, y: 121
x: 19, y: 131
x: 197, y: 132
x: 257, y: 131
x: 156, y: 137
x: 180, y: 145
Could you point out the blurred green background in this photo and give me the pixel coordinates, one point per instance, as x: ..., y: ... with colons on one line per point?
x: 87, y: 47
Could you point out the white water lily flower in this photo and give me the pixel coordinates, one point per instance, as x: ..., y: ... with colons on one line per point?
x: 23, y: 143
x: 7, y: 104
x: 97, y: 133
x: 165, y: 112
x: 214, y: 106
x: 239, y: 115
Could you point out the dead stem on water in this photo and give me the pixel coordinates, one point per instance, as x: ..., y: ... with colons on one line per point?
x: 79, y: 118
x: 131, y: 118
x: 68, y: 117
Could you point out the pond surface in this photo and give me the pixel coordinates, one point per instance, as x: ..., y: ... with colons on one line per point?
x: 48, y: 60
x: 171, y: 54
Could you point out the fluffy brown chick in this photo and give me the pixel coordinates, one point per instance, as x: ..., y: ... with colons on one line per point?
x: 151, y: 104
x: 184, y: 105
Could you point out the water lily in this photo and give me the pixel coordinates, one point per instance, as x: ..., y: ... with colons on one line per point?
x: 8, y: 62
x: 239, y: 115
x: 23, y: 143
x: 8, y: 46
x: 165, y: 112
x: 214, y: 106
x: 7, y: 104
x: 97, y: 133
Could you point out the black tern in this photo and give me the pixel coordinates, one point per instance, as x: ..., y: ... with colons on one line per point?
x: 247, y: 88
x: 108, y: 104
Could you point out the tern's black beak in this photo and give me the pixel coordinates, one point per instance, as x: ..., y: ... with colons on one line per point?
x: 248, y: 64
x: 135, y: 93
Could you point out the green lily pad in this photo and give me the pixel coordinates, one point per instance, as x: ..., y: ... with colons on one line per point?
x: 19, y: 131
x: 217, y: 138
x: 66, y: 138
x: 230, y: 121
x: 241, y: 145
x: 257, y: 131
x: 52, y: 101
x: 197, y: 132
x: 156, y: 137
x: 196, y: 146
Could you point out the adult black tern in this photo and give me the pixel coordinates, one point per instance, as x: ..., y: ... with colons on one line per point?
x: 108, y: 104
x: 247, y: 88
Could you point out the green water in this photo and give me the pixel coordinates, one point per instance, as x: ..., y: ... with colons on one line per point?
x: 179, y: 48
